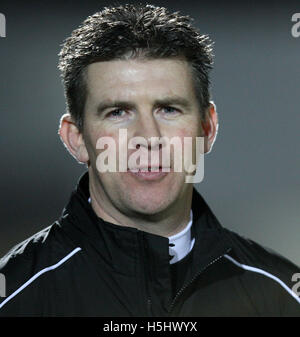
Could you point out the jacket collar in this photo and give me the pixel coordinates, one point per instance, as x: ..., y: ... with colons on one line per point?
x: 119, y: 245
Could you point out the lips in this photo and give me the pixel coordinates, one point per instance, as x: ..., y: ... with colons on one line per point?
x: 149, y: 173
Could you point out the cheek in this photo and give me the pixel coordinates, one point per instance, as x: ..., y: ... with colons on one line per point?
x: 188, y: 136
x: 96, y: 136
x: 110, y: 141
x: 97, y: 142
x: 186, y: 132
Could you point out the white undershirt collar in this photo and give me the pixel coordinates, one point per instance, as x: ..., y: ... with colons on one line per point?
x: 181, y: 243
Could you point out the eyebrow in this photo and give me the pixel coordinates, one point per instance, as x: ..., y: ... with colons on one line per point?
x: 172, y: 100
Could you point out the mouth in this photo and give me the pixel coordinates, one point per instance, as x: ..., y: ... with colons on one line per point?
x: 149, y: 173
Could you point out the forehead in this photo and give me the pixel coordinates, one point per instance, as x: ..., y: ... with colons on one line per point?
x: 129, y: 79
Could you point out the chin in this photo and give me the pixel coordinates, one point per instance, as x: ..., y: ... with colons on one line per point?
x: 150, y: 203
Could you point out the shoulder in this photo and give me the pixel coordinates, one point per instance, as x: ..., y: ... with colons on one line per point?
x: 24, y: 266
x: 267, y: 273
x: 41, y: 244
x: 250, y: 252
x: 24, y: 251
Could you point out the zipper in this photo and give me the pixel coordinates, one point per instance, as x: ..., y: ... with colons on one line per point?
x: 149, y: 307
x: 193, y: 280
x: 146, y: 274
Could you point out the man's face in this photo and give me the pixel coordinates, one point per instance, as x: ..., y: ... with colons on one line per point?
x: 148, y: 98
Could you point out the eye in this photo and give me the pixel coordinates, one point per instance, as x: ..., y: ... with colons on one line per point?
x: 116, y: 114
x: 170, y: 111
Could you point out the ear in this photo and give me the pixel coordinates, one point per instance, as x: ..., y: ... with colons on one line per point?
x: 210, y: 127
x: 72, y: 138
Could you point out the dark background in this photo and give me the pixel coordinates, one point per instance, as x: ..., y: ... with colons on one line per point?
x: 251, y: 176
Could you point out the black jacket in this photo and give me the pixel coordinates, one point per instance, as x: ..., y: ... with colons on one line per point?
x: 83, y: 266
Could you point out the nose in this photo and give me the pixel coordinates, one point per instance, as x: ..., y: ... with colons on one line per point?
x: 147, y: 127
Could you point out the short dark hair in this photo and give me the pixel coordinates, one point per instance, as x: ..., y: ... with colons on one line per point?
x: 141, y: 31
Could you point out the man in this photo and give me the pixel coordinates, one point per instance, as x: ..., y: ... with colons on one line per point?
x: 140, y: 241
